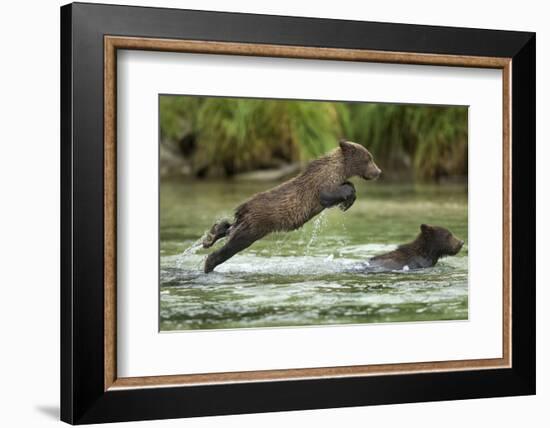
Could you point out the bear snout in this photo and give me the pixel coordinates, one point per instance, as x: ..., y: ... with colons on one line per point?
x: 459, y: 245
x: 373, y: 172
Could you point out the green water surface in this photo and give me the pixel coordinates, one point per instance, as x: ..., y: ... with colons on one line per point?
x: 312, y: 276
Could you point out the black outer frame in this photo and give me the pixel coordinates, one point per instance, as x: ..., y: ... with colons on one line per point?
x: 83, y: 399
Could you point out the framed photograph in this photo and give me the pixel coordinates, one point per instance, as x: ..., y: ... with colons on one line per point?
x: 266, y: 213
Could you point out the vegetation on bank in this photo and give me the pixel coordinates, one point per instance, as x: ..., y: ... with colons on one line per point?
x: 210, y: 136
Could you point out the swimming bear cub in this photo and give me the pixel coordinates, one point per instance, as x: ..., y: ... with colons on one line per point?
x: 288, y: 206
x: 430, y: 245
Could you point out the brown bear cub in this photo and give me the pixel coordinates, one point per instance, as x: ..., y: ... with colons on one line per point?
x: 288, y: 206
x: 430, y: 245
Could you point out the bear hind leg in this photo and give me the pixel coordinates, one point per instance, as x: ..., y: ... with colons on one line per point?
x: 235, y: 244
x: 218, y: 230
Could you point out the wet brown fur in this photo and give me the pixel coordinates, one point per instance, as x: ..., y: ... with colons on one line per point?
x: 430, y: 245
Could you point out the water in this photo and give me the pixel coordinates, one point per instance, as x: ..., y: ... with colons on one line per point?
x: 310, y: 276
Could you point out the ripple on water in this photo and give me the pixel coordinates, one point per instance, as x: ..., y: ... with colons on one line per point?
x: 255, y: 290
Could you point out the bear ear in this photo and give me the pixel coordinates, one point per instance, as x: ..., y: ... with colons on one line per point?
x: 345, y: 145
x: 425, y: 228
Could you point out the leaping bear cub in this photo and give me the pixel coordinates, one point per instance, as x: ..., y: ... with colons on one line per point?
x: 288, y: 206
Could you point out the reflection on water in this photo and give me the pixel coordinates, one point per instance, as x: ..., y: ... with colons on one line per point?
x: 313, y: 276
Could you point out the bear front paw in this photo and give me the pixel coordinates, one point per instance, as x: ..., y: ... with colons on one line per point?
x: 344, y: 206
x: 349, y: 196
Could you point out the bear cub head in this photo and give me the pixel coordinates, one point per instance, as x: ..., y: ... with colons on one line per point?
x: 438, y: 241
x: 358, y: 161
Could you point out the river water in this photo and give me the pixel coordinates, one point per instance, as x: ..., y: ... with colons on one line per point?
x: 309, y: 276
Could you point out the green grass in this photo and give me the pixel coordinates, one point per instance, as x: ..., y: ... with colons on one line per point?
x: 232, y: 135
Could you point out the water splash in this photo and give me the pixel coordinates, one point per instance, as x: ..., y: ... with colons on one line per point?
x: 319, y: 222
x: 189, y: 251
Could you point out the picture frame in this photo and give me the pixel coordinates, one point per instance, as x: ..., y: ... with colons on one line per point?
x: 91, y: 35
